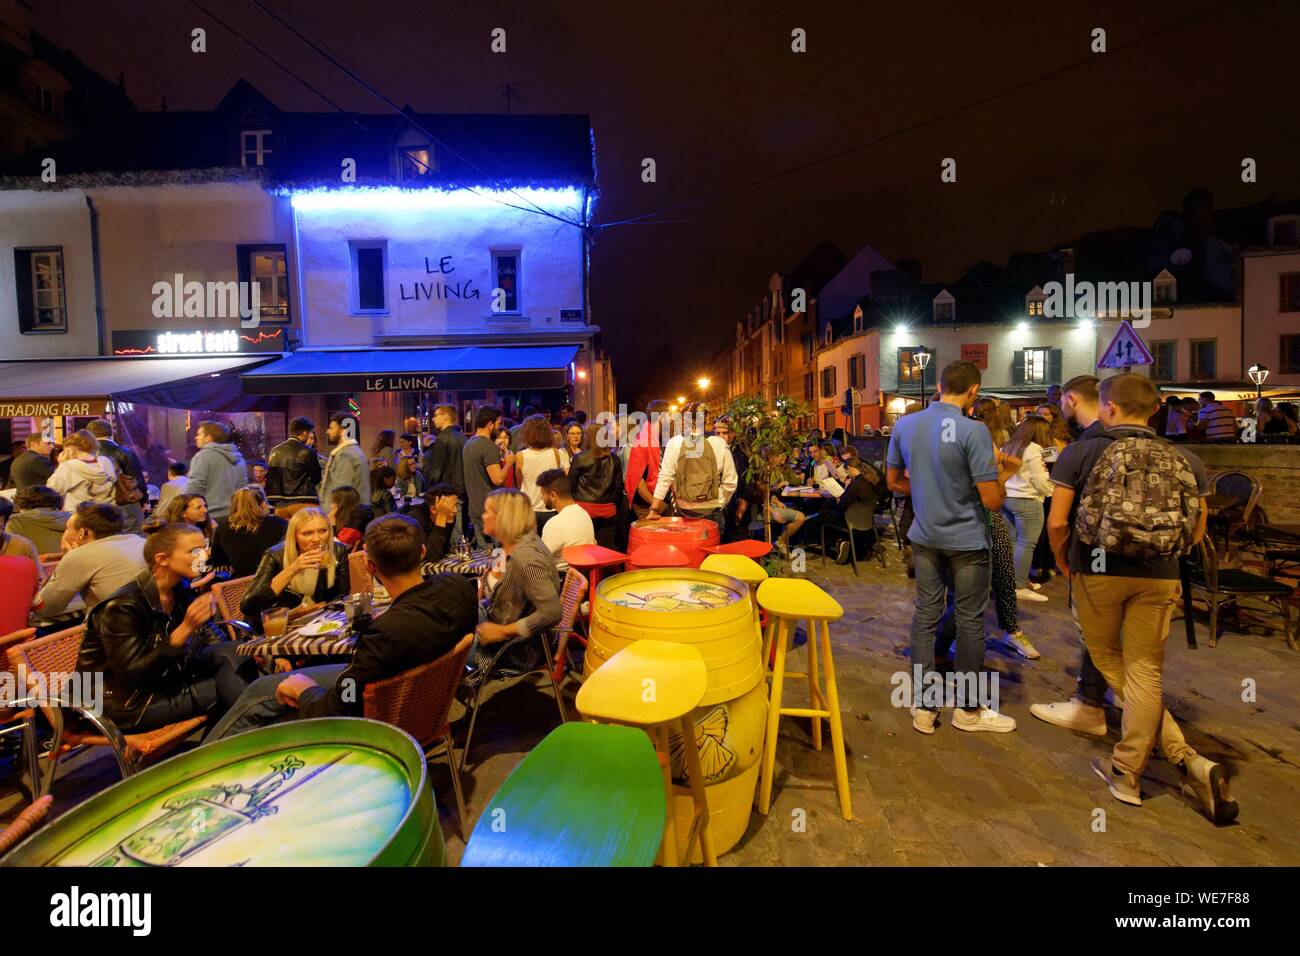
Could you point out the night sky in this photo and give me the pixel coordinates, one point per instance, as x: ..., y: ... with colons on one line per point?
x: 714, y: 94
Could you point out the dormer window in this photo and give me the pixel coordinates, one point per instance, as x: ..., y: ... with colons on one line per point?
x: 416, y: 162
x: 827, y: 337
x: 945, y: 307
x: 1034, y: 302
x: 254, y: 147
x: 48, y: 103
x: 1164, y: 289
x: 857, y: 319
x: 1282, y: 231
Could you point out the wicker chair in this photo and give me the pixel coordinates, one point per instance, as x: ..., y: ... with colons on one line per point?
x: 1221, y: 586
x: 359, y: 579
x: 575, y: 586
x: 21, y: 719
x: 229, y: 594
x: 24, y: 824
x: 418, y: 701
x: 57, y: 654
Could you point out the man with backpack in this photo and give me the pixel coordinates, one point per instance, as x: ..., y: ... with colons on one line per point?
x: 698, y: 469
x: 130, y: 488
x: 1127, y: 505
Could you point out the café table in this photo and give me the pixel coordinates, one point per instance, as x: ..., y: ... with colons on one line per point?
x: 479, y: 562
x: 293, y: 643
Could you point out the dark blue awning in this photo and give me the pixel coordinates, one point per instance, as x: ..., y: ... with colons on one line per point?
x: 307, y: 371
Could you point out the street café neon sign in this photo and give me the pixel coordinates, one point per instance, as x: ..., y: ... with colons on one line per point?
x: 199, y: 342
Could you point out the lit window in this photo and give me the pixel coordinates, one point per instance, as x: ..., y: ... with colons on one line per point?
x: 505, y: 276
x: 42, y: 305
x: 254, y: 147
x: 1036, y: 307
x: 417, y: 161
x: 1037, y: 364
x: 267, y: 266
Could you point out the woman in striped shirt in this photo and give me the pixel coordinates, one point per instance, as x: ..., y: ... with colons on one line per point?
x: 523, y: 595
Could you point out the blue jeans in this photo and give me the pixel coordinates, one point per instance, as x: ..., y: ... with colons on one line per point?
x: 258, y: 707
x: 952, y: 590
x: 1026, y: 516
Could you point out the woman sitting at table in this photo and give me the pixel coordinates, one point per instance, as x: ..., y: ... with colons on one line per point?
x: 348, y: 517
x: 523, y: 597
x: 861, y: 488
x: 307, y: 569
x: 242, y: 538
x: 383, y: 482
x: 410, y: 481
x: 191, y: 510
x: 150, y: 640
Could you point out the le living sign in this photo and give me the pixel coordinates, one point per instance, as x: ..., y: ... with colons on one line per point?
x: 401, y: 383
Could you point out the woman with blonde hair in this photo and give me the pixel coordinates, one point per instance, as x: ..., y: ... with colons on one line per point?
x: 309, y: 567
x: 248, y: 532
x: 524, y: 596
x: 83, y: 473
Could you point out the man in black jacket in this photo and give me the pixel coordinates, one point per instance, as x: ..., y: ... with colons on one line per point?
x: 443, y: 461
x: 33, y: 466
x: 126, y: 464
x: 427, y: 619
x: 293, y: 469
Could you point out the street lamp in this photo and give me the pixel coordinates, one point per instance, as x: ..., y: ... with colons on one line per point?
x: 921, y: 358
x: 681, y: 399
x: 1258, y: 374
x: 703, y: 384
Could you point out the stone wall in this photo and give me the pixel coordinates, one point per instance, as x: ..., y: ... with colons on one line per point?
x: 1277, y: 466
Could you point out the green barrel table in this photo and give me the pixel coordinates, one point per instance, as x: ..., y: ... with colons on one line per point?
x: 340, y: 791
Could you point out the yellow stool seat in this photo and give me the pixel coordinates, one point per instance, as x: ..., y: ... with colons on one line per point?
x: 644, y: 684
x: 737, y: 566
x: 799, y: 599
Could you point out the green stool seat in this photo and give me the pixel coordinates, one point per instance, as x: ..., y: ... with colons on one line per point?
x: 587, y: 795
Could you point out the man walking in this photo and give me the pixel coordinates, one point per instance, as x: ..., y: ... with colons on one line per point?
x: 293, y: 471
x: 1124, y: 577
x: 346, y: 466
x: 698, y: 469
x: 485, y: 468
x: 945, y: 461
x: 217, y: 470
x: 130, y: 495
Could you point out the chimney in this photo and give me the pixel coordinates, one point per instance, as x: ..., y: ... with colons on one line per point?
x: 1066, y: 260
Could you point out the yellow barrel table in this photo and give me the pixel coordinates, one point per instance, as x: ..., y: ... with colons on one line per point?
x: 712, y: 613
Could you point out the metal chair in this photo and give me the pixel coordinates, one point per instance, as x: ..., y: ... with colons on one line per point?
x: 1226, y: 585
x: 21, y: 719
x: 859, y: 516
x: 418, y: 701
x: 38, y: 663
x: 1246, y: 489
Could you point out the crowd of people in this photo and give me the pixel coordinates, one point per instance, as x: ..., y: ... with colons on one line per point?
x: 1123, y: 505
x: 990, y: 507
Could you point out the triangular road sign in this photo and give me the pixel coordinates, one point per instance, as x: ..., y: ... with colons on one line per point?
x: 1125, y: 349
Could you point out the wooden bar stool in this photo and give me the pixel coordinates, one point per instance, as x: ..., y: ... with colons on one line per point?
x: 788, y: 600
x: 656, y: 685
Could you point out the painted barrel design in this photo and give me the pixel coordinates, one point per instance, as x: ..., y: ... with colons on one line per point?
x: 709, y: 611
x: 340, y: 791
x: 712, y: 613
x: 690, y: 535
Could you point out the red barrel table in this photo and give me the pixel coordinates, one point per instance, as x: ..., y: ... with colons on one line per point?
x: 689, y: 535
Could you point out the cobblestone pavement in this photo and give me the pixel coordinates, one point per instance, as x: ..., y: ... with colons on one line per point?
x: 1022, y: 798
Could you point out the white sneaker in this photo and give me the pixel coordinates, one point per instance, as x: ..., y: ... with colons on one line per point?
x: 1035, y: 586
x: 1020, y: 644
x: 1072, y: 715
x: 1024, y: 594
x: 924, y: 720
x: 986, y: 720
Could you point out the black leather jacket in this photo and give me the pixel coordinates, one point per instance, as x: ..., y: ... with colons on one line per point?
x: 597, y: 480
x: 126, y: 463
x: 292, y: 471
x: 260, y: 597
x: 127, y: 638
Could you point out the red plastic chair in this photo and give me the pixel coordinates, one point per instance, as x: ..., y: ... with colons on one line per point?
x: 657, y: 556
x: 19, y: 578
x: 592, y: 559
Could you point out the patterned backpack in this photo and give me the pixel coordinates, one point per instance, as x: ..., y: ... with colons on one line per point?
x: 1140, y: 501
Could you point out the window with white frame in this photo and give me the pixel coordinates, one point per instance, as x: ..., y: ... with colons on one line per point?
x: 42, y: 298
x: 267, y: 266
x: 1037, y: 366
x: 254, y: 147
x: 369, y: 275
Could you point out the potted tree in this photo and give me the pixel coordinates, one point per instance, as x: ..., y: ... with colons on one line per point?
x: 771, y: 438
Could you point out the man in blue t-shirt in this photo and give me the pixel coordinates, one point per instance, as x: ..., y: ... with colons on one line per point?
x: 945, y: 461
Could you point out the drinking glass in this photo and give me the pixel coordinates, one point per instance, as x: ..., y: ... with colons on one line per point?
x: 275, y: 621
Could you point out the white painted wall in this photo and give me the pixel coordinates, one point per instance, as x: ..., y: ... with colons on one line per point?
x: 1183, y: 325
x: 1264, y: 322
x: 48, y: 218
x: 150, y: 233
x: 1078, y: 346
x: 461, y: 226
